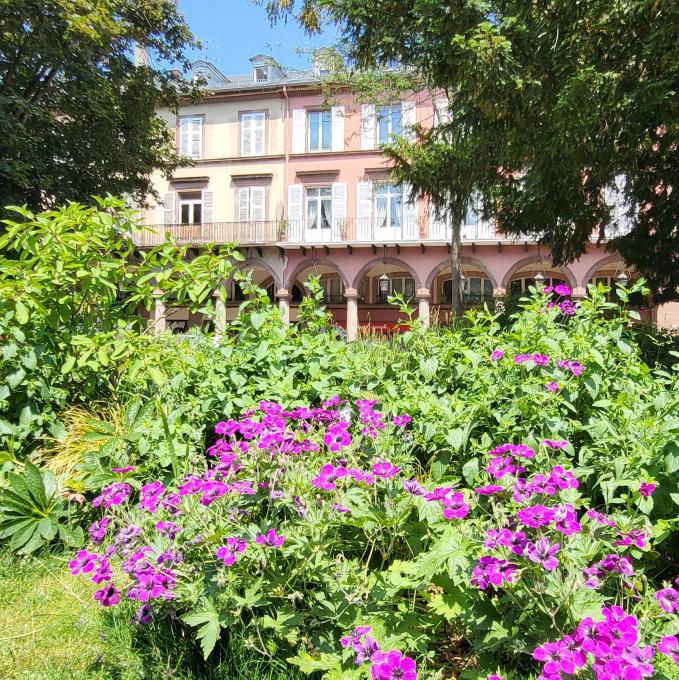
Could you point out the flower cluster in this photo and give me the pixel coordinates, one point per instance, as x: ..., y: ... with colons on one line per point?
x: 610, y: 647
x: 389, y: 665
x: 537, y: 359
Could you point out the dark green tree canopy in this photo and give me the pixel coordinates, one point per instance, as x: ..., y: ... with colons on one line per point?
x: 554, y: 105
x: 77, y: 117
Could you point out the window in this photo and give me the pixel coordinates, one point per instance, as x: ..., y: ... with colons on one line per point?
x: 191, y: 136
x: 253, y: 133
x: 332, y: 289
x: 320, y: 131
x: 398, y: 285
x: 318, y: 207
x: 389, y: 205
x: 475, y: 290
x: 191, y: 207
x: 261, y: 74
x: 390, y: 123
x: 251, y: 204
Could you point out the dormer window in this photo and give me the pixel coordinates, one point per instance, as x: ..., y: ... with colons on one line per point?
x: 261, y: 74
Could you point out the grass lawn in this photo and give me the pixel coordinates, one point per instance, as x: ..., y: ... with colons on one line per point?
x: 52, y: 629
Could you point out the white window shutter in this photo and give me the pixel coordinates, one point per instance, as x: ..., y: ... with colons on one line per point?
x: 257, y: 203
x: 409, y: 118
x: 410, y: 208
x: 368, y: 125
x: 168, y: 208
x: 338, y: 128
x: 246, y: 136
x: 295, y: 195
x: 364, y: 200
x: 442, y: 112
x: 184, y: 136
x: 197, y: 138
x: 259, y: 134
x: 298, y: 131
x: 339, y: 201
x: 243, y: 204
x: 208, y: 206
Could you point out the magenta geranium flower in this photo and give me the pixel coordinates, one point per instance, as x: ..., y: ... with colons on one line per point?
x: 668, y: 599
x: 646, y: 489
x: 543, y: 552
x: 84, y: 563
x: 669, y: 645
x: 108, y: 596
x: 600, y: 518
x: 496, y: 355
x: 562, y: 289
x: 393, y: 666
x: 556, y: 658
x: 270, y: 539
x: 454, y: 507
x: 356, y: 636
x: 366, y: 649
x: 337, y: 436
x: 489, y: 489
x: 552, y: 386
x: 540, y: 359
x: 500, y: 466
x: 535, y: 516
x: 115, y: 494
x: 97, y: 530
x: 413, y: 487
x: 402, y: 420
x: 123, y: 470
x: 384, y: 469
x: 227, y: 553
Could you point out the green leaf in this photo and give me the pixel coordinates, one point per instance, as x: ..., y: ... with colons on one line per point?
x: 21, y: 312
x: 68, y: 365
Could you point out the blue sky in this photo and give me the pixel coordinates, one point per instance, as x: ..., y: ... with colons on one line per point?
x: 234, y: 30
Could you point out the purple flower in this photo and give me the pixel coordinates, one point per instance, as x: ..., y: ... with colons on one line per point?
x: 413, y: 487
x: 97, y: 530
x: 552, y: 386
x: 516, y: 541
x: 668, y: 599
x: 500, y: 466
x: 555, y: 444
x: 575, y: 367
x: 454, y: 507
x: 333, y: 401
x: 492, y: 571
x: 366, y: 649
x: 646, y: 489
x: 600, y: 518
x: 108, y: 596
x: 542, y: 552
x: 521, y: 358
x: 359, y: 632
x: 115, y: 494
x: 337, y: 436
x: 144, y: 615
x: 535, y: 516
x: 169, y: 529
x: 123, y: 470
x: 540, y: 359
x: 636, y: 538
x: 556, y: 658
x: 270, y: 539
x: 669, y: 645
x: 496, y: 354
x: 564, y: 479
x: 340, y: 508
x: 393, y: 666
x: 566, y: 520
x: 84, y: 563
x: 103, y: 572
x: 227, y: 553
x: 568, y: 308
x: 489, y: 489
x: 384, y: 469
x: 402, y: 420
x: 562, y: 289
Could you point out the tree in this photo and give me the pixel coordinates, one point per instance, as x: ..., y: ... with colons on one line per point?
x: 77, y: 115
x: 564, y: 113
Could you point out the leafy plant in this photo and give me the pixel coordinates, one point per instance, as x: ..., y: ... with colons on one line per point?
x: 33, y: 513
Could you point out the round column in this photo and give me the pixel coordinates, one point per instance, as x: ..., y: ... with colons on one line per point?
x: 351, y: 295
x: 423, y: 298
x: 159, y: 312
x: 284, y: 296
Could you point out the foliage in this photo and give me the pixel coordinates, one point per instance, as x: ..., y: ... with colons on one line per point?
x: 359, y: 548
x: 72, y: 292
x: 552, y: 107
x: 33, y: 513
x: 77, y: 116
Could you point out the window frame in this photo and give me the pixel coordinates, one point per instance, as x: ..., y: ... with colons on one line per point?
x: 318, y: 199
x: 380, y: 116
x: 321, y: 113
x: 184, y: 200
x: 200, y: 118
x: 242, y: 115
x: 398, y: 192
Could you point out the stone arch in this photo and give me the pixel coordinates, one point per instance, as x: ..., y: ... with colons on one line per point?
x: 310, y: 264
x: 471, y: 261
x: 261, y: 264
x: 385, y: 260
x: 572, y: 281
x: 608, y: 259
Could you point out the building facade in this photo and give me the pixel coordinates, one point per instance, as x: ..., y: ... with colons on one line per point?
x: 297, y: 179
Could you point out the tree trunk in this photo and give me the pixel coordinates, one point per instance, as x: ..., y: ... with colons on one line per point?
x: 456, y: 268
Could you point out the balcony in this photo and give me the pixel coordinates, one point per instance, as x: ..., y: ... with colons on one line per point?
x: 351, y: 231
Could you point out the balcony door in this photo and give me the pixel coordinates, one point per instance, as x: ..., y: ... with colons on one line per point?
x: 318, y: 213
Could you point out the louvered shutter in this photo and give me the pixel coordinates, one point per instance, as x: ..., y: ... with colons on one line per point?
x: 196, y: 138
x: 243, y: 204
x: 368, y: 126
x: 442, y: 111
x: 184, y: 136
x: 298, y: 131
x: 168, y: 208
x: 295, y: 195
x: 408, y: 118
x: 338, y: 128
x: 410, y: 213
x: 208, y: 206
x: 257, y: 203
x: 258, y: 134
x: 246, y: 136
x: 364, y: 209
x: 339, y: 202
